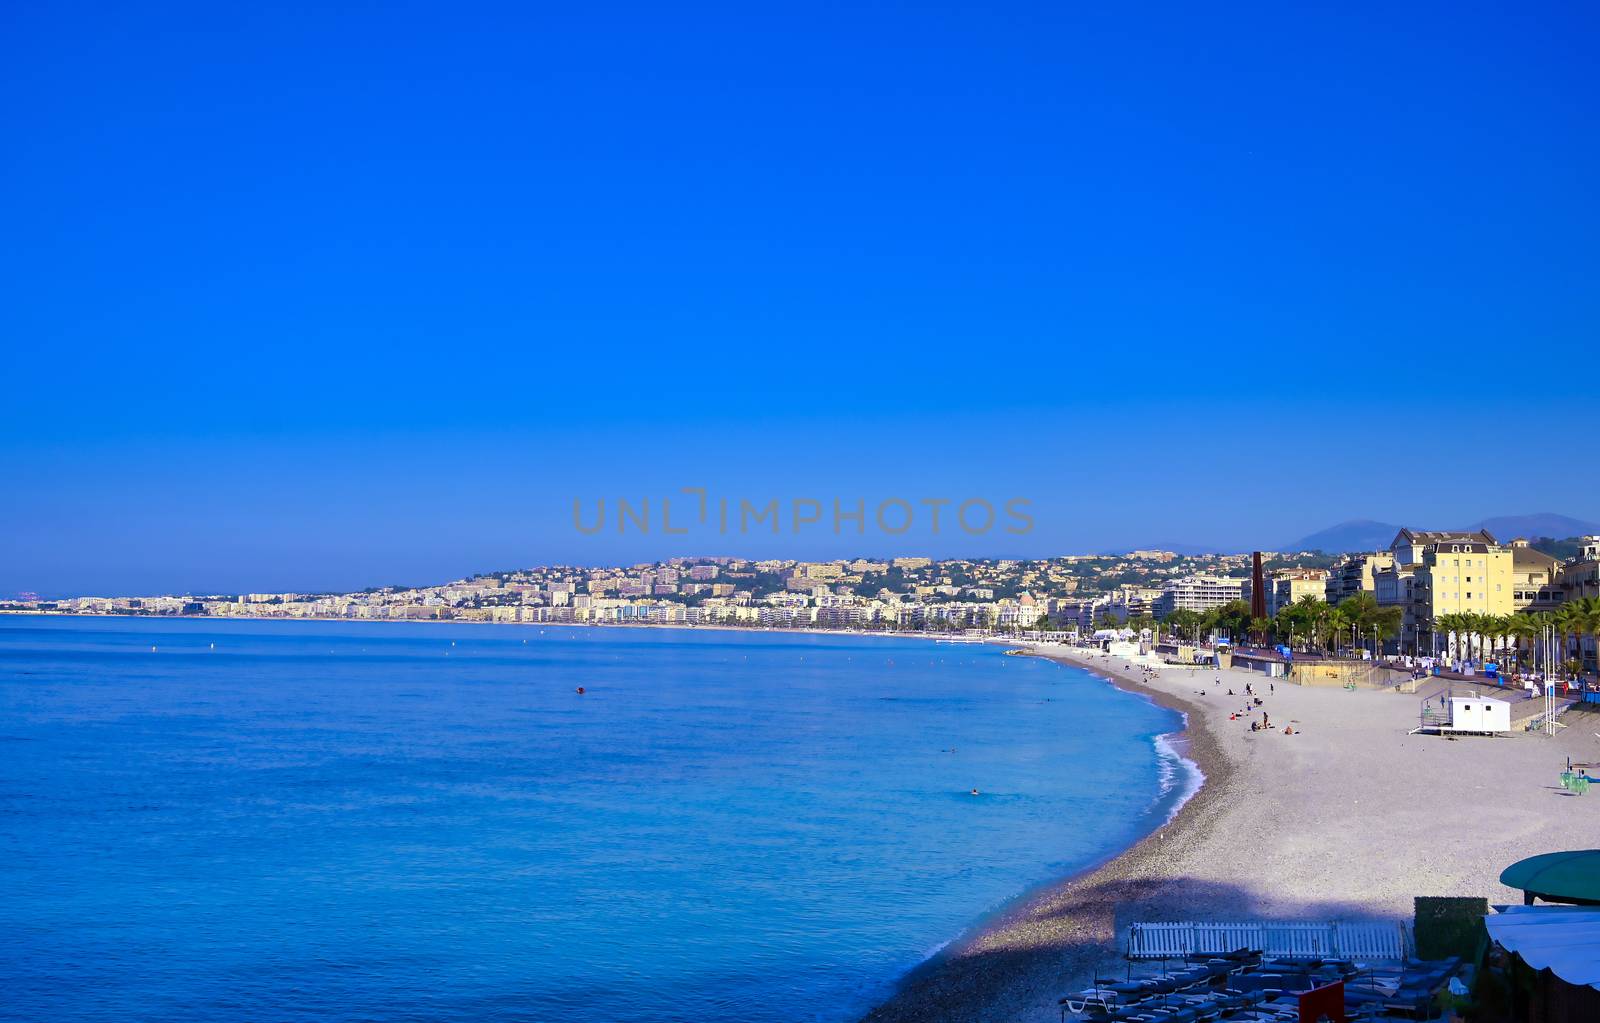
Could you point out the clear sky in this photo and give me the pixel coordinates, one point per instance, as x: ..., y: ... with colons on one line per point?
x: 338, y: 296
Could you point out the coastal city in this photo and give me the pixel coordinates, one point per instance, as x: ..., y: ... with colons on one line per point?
x: 1464, y: 595
x: 850, y: 513
x: 1450, y: 670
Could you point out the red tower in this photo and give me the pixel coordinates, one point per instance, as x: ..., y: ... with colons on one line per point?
x: 1258, y: 590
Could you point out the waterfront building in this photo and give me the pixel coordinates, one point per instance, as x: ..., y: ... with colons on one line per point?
x: 1581, y: 578
x: 1126, y: 602
x: 1458, y: 575
x: 1534, y: 578
x: 1199, y: 593
x: 1288, y: 585
x: 1356, y: 573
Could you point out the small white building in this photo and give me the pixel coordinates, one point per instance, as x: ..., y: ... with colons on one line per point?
x: 1478, y: 714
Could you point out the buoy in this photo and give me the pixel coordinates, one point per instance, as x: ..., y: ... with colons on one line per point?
x: 580, y: 690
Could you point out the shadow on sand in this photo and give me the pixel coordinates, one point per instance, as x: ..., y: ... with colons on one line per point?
x: 1060, y: 942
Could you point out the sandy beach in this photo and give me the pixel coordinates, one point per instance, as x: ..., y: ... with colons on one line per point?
x: 1348, y: 818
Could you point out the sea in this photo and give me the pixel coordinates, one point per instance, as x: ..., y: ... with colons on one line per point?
x: 206, y: 819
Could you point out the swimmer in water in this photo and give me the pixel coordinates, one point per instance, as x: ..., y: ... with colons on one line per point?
x: 974, y: 791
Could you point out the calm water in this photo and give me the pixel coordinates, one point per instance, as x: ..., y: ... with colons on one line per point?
x: 328, y: 821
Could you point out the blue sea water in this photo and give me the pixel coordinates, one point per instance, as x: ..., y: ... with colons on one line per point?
x: 251, y: 820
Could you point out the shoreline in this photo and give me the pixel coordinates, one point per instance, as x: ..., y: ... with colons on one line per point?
x: 1018, y: 963
x: 1350, y: 817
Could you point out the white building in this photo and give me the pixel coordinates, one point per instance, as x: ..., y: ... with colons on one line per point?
x: 1199, y: 593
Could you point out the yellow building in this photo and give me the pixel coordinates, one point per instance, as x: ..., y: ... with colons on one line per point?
x: 1533, y: 578
x: 1355, y: 573
x: 1460, y: 574
x: 1288, y: 585
x: 823, y: 570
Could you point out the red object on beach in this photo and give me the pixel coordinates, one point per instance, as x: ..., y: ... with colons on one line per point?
x: 1323, y: 1004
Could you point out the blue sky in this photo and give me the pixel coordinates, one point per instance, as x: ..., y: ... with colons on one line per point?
x: 322, y: 298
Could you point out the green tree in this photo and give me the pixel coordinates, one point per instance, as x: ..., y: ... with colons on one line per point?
x: 1586, y: 618
x: 1569, y: 622
x: 1519, y: 627
x: 1261, y: 629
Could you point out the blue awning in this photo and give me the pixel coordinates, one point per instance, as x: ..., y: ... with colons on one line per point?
x: 1562, y: 939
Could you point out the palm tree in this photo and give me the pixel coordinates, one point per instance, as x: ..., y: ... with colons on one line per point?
x: 1491, y: 636
x: 1385, y: 624
x: 1334, y: 625
x: 1445, y: 625
x: 1300, y: 618
x: 1261, y: 628
x: 1568, y: 621
x: 1368, y: 617
x: 1587, y: 617
x: 1522, y: 626
x: 1545, y: 622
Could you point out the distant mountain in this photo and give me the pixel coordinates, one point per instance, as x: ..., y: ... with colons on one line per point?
x: 1368, y: 535
x: 1509, y: 527
x: 1355, y: 535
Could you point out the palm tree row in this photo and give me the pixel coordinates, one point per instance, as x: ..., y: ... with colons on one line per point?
x: 1307, y: 623
x: 1479, y: 636
x: 1310, y: 623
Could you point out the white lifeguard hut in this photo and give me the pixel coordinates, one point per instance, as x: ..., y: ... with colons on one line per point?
x: 1467, y: 715
x: 1480, y: 714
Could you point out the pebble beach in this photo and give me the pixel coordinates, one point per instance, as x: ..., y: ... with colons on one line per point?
x: 1345, y: 817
